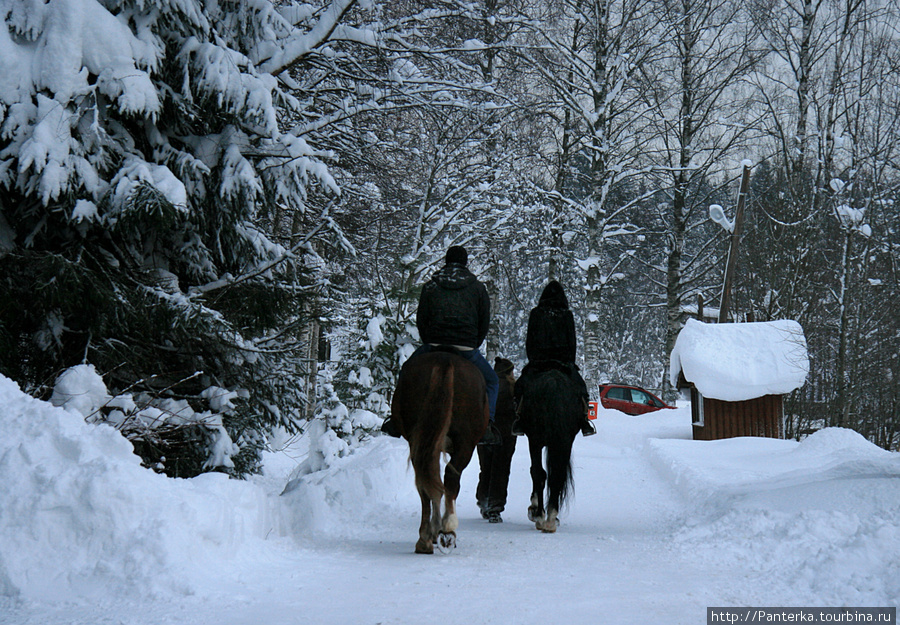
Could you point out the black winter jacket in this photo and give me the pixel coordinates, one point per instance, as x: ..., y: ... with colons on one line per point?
x: 551, y: 327
x: 454, y: 308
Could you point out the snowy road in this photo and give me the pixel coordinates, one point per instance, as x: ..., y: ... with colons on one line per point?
x: 659, y: 528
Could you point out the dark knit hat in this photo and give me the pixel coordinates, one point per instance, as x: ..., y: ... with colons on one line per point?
x: 457, y: 254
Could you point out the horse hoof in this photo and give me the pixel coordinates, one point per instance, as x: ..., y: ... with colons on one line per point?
x: 446, y: 541
x: 549, y: 523
x: 533, y: 515
x: 424, y: 546
x: 546, y: 525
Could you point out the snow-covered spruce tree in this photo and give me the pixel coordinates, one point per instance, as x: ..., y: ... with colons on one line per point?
x: 375, y: 352
x: 138, y: 145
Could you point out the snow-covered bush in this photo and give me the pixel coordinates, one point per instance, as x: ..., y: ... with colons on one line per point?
x: 353, y: 396
x: 174, y: 436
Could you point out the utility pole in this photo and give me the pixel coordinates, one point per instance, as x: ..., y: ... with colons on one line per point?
x: 725, y: 302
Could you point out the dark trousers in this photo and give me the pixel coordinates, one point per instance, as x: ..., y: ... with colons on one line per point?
x: 490, y: 377
x: 493, y: 478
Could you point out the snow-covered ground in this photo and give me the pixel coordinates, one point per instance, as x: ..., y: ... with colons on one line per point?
x: 660, y: 527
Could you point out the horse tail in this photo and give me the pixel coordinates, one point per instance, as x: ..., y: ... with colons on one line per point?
x: 434, y: 423
x: 559, y: 462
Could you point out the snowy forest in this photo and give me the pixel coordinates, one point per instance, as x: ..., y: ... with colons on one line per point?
x: 227, y: 208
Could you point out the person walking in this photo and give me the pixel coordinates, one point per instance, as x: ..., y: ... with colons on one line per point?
x: 495, y: 460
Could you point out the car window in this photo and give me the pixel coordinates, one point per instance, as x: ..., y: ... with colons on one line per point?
x: 640, y: 397
x: 619, y: 393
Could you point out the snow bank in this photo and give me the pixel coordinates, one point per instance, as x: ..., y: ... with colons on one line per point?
x: 735, y: 466
x: 353, y: 492
x: 817, y: 520
x: 617, y: 429
x: 740, y: 361
x: 81, y: 517
x: 813, y: 557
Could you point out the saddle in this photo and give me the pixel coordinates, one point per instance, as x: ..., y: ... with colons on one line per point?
x: 542, y: 366
x: 450, y: 349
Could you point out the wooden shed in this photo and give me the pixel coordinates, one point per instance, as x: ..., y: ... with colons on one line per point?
x: 737, y: 374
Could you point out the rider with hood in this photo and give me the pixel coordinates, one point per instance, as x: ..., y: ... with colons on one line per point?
x: 455, y: 310
x: 551, y: 344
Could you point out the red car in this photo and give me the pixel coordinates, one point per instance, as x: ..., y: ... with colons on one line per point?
x: 632, y: 400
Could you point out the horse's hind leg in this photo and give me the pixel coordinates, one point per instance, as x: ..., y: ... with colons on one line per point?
x: 450, y: 522
x: 427, y: 534
x: 538, y: 481
x: 549, y: 524
x: 435, y: 518
x: 451, y: 491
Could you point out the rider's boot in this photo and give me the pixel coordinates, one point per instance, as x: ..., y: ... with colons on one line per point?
x: 389, y: 427
x: 491, y: 436
x: 587, y: 428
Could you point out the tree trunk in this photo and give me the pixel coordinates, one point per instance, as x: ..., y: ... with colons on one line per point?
x: 678, y: 224
x: 599, y: 187
x: 842, y: 374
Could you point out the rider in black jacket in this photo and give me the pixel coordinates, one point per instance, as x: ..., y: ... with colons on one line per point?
x: 550, y: 343
x: 455, y: 310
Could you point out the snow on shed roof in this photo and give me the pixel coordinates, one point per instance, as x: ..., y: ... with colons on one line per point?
x: 740, y: 361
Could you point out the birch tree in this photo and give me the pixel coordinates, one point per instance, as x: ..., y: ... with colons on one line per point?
x: 701, y: 123
x: 588, y: 54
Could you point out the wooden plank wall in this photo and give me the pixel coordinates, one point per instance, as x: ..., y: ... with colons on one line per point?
x: 761, y: 416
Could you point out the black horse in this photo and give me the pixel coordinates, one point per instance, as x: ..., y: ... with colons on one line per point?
x: 552, y: 410
x: 440, y: 405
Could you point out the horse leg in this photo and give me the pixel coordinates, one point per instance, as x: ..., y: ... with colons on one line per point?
x: 538, y: 480
x: 451, y: 490
x: 435, y: 519
x: 450, y: 522
x: 425, y: 544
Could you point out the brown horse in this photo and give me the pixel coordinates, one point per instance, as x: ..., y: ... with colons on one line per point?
x: 440, y: 405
